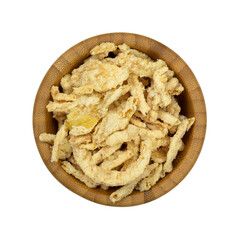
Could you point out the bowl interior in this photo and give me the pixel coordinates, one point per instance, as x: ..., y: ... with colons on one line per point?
x: 191, y: 102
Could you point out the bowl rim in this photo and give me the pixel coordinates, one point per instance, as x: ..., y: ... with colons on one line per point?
x: 90, y: 194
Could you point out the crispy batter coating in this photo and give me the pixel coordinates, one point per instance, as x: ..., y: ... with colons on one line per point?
x: 66, y: 84
x: 149, y: 181
x: 99, y: 76
x: 159, y: 156
x: 78, y: 140
x: 114, y: 178
x: 61, y: 134
x: 104, y: 153
x: 62, y: 107
x: 115, y: 120
x: 174, y: 87
x: 159, y: 84
x: 168, y: 118
x: 126, y: 135
x: 47, y: 138
x: 57, y: 96
x: 132, y: 149
x: 137, y: 90
x: 137, y: 122
x: 173, y: 108
x: 176, y: 143
x: 77, y: 173
x: 128, y: 188
x: 103, y: 48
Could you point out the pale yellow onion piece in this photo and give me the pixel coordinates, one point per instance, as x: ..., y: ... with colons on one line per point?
x: 77, y: 173
x: 101, y: 51
x: 178, y: 90
x: 173, y: 129
x: 152, y: 126
x: 146, y: 183
x: 143, y: 67
x: 61, y: 134
x: 157, y: 125
x: 127, y: 163
x: 65, y: 149
x: 63, y: 155
x: 125, y: 135
x: 149, y: 120
x: 80, y: 123
x: 174, y: 87
x: 78, y: 140
x: 127, y: 108
x: 76, y: 77
x: 153, y: 98
x: 104, y: 77
x: 115, y: 120
x: 89, y: 146
x: 159, y: 80
x: 99, y: 75
x: 105, y: 48
x: 126, y: 49
x: 160, y: 76
x: 89, y: 100
x: 173, y: 108
x: 65, y: 97
x: 152, y: 134
x: 152, y: 116
x: 104, y: 153
x: 131, y: 132
x: 136, y: 53
x: 112, y: 96
x: 170, y: 74
x: 54, y: 91
x: 176, y: 144
x: 87, y: 89
x: 63, y: 107
x: 47, y: 138
x: 57, y: 96
x: 171, y: 84
x: 132, y: 149
x: 159, y: 156
x: 114, y: 178
x: 127, y: 189
x: 80, y: 130
x: 123, y: 47
x: 65, y: 146
x: 163, y: 142
x: 111, y: 164
x: 137, y: 91
x: 168, y: 118
x: 65, y: 83
x: 137, y: 122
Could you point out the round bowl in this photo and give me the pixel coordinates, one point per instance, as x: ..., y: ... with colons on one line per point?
x: 191, y: 101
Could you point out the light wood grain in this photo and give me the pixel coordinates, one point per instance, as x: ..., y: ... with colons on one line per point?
x: 191, y: 101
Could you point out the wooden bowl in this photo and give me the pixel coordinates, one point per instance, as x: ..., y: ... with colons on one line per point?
x: 191, y: 101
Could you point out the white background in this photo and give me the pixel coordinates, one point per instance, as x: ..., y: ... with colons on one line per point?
x: 33, y: 205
